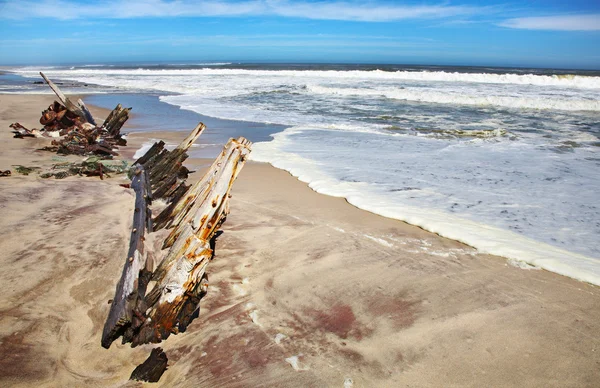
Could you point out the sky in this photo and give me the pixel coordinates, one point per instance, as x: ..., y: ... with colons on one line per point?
x: 552, y: 34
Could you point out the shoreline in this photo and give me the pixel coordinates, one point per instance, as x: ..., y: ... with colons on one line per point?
x: 163, y: 118
x: 298, y: 276
x: 515, y: 248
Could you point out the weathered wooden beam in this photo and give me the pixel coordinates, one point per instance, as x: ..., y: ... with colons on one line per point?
x: 179, y: 277
x: 152, y: 152
x: 88, y: 115
x: 191, y: 138
x: 111, y: 115
x: 166, y: 170
x: 189, y: 205
x: 125, y: 303
x: 172, y: 215
x: 164, y: 216
x: 70, y: 105
x: 115, y: 120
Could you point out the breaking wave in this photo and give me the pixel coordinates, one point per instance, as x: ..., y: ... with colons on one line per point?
x: 417, y: 95
x: 570, y: 81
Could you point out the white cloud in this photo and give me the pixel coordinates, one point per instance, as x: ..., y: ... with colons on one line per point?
x: 324, y: 10
x: 556, y: 23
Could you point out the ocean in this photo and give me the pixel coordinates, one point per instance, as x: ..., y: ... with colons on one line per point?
x: 505, y: 160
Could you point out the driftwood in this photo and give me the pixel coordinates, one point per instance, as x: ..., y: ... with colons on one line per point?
x: 196, y: 215
x: 152, y: 369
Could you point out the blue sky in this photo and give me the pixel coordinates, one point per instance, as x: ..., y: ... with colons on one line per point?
x: 470, y: 32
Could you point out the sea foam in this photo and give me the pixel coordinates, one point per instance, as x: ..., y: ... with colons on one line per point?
x: 283, y: 153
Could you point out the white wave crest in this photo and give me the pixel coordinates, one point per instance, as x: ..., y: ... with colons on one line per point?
x: 569, y: 81
x: 413, y: 94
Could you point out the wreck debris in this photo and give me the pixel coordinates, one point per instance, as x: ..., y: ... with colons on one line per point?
x: 74, y: 128
x: 92, y: 166
x: 115, y: 120
x: 23, y: 170
x: 20, y: 131
x: 180, y: 277
x: 78, y: 109
x: 195, y: 214
x: 149, y: 304
x: 152, y: 369
x: 126, y: 311
x: 58, y: 118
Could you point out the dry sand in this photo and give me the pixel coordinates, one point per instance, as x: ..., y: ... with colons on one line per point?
x: 349, y: 295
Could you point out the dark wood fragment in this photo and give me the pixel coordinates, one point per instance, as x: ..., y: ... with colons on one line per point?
x: 153, y: 368
x: 88, y: 115
x: 163, y: 218
x: 126, y: 295
x: 152, y: 152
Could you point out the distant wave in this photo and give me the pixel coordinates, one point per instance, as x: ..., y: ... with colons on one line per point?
x: 570, y: 81
x: 463, y: 99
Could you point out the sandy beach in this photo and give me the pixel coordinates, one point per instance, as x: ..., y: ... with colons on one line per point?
x: 305, y: 291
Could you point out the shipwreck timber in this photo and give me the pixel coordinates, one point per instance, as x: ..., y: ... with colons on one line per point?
x: 149, y: 303
x: 74, y: 129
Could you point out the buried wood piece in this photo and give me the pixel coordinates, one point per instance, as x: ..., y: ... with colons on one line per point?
x: 153, y: 368
x: 125, y: 304
x: 179, y: 277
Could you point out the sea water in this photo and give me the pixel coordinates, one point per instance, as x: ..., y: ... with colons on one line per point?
x: 505, y: 160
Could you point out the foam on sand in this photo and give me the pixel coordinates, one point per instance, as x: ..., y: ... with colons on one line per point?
x: 486, y: 238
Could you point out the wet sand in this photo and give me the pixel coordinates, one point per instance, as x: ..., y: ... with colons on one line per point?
x: 342, y: 294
